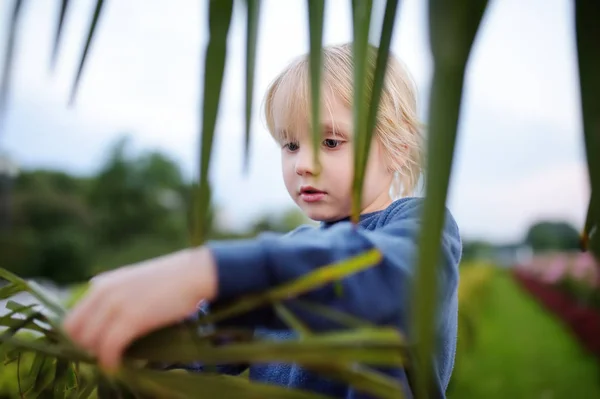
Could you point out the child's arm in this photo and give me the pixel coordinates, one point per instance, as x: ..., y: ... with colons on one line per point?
x: 132, y: 301
x: 378, y: 294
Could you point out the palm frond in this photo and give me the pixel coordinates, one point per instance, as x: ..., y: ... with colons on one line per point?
x: 59, y: 29
x: 219, y: 19
x: 252, y: 24
x: 588, y: 55
x: 8, y: 57
x: 316, y: 16
x: 361, y: 22
x: 452, y: 29
x: 86, y: 49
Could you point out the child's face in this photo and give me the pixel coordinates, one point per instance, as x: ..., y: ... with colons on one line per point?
x: 325, y: 195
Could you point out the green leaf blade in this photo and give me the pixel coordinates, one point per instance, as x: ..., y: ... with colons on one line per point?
x: 315, y: 279
x: 219, y: 20
x: 186, y: 385
x: 361, y: 18
x: 57, y: 35
x: 316, y: 17
x: 86, y: 49
x: 373, y: 107
x: 588, y: 57
x: 252, y: 24
x: 380, y: 347
x: 8, y: 56
x: 452, y: 30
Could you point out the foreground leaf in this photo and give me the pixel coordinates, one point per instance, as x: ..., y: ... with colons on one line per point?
x: 8, y: 56
x: 219, y: 19
x: 379, y: 74
x: 310, y: 281
x: 316, y: 15
x: 59, y: 27
x: 186, y: 385
x: 376, y: 347
x: 252, y: 25
x: 34, y: 289
x: 361, y: 379
x: 587, y: 14
x: 452, y: 29
x: 361, y: 18
x: 86, y: 49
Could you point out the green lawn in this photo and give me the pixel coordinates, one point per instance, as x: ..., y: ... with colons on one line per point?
x: 523, y: 352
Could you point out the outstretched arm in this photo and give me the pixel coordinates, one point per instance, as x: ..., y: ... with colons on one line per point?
x: 133, y: 301
x: 378, y: 294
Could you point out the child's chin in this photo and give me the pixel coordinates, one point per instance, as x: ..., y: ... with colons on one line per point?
x: 321, y: 216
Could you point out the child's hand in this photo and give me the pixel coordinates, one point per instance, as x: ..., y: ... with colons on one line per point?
x: 129, y: 302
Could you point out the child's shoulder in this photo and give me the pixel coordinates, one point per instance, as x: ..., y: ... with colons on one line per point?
x: 411, y: 208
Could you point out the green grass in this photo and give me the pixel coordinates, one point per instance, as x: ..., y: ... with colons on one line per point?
x: 521, y: 351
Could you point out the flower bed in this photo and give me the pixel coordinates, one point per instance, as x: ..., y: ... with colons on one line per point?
x: 581, y: 318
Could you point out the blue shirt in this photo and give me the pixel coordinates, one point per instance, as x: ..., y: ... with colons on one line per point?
x: 379, y: 294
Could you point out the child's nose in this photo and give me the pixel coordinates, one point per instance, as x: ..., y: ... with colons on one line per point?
x: 305, y: 162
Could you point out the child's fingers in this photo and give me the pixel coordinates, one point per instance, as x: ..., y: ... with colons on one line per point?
x: 87, y: 308
x: 117, y: 337
x: 97, y: 324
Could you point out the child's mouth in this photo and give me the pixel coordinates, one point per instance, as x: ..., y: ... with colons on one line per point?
x: 311, y: 194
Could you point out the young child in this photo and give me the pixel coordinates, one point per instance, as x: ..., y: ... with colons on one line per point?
x: 129, y: 302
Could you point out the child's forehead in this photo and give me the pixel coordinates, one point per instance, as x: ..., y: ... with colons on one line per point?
x: 292, y: 113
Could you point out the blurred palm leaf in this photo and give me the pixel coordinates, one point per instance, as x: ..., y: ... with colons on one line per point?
x: 588, y: 52
x: 316, y: 15
x: 252, y: 24
x: 8, y: 57
x: 219, y: 19
x: 452, y: 29
x: 88, y: 43
x: 376, y: 80
x: 361, y: 23
x: 334, y: 354
x: 59, y: 29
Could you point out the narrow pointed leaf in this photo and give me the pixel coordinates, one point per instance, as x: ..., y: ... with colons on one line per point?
x: 219, y: 20
x: 9, y: 290
x: 59, y: 27
x: 590, y: 221
x: 87, y: 391
x: 8, y: 56
x: 378, y: 81
x: 361, y: 22
x: 19, y: 375
x: 38, y: 362
x: 34, y: 289
x: 44, y: 377
x: 185, y: 385
x: 332, y: 314
x: 363, y: 380
x: 9, y: 322
x: 86, y: 49
x: 52, y: 350
x: 252, y: 25
x: 316, y: 16
x: 310, y: 281
x: 290, y: 319
x: 60, y: 378
x: 452, y: 29
x: 588, y: 56
x: 17, y: 307
x: 376, y: 347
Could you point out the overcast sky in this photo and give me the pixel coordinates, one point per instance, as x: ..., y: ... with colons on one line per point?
x: 519, y: 155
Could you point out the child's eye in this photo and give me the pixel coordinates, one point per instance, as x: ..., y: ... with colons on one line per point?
x: 331, y: 143
x: 292, y: 146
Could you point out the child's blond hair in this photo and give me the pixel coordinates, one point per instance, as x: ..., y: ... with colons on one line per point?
x: 397, y: 128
